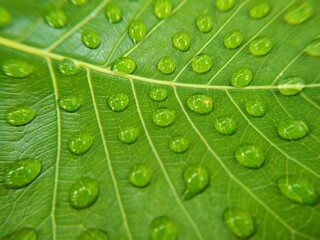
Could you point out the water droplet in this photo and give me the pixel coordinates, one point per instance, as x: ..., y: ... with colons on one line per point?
x: 69, y: 104
x: 290, y: 86
x: 140, y: 175
x: 202, y: 63
x: 17, y: 69
x: 250, y: 156
x: 163, y: 228
x: 260, y: 10
x: 56, y: 18
x: 93, y: 234
x: 298, y: 190
x: 179, y: 144
x: 118, y: 102
x: 68, y: 68
x: 128, y: 134
x: 22, y: 234
x: 158, y: 94
x: 242, y: 77
x: 196, y: 179
x: 181, y: 41
x: 233, y: 39
x: 300, y: 13
x: 255, y: 108
x: 163, y: 117
x: 5, y: 17
x: 21, y: 173
x: 124, y: 64
x: 113, y: 13
x: 20, y: 115
x: 225, y: 125
x: 80, y: 143
x: 79, y: 2
x: 313, y: 48
x: 84, y: 193
x: 261, y: 46
x: 239, y: 222
x: 137, y: 31
x: 166, y: 65
x: 225, y: 5
x: 200, y: 103
x: 90, y: 39
x: 204, y: 22
x: 293, y: 129
x: 162, y: 8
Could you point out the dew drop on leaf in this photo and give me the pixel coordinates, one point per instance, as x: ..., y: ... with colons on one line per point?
x: 179, y: 144
x: 158, y: 94
x: 80, y: 143
x: 200, y: 103
x: 292, y: 129
x: 166, y: 65
x: 70, y: 103
x: 162, y: 8
x: 140, y: 175
x: 22, y: 172
x: 56, y: 18
x: 137, y: 30
x: 118, y: 102
x: 90, y: 39
x: 225, y: 125
x: 298, y: 190
x: 233, y: 39
x: 20, y: 115
x: 313, y: 49
x: 113, y: 13
x: 181, y: 41
x: 124, y: 65
x: 260, y: 10
x: 5, y: 17
x: 79, y: 2
x: 84, y: 193
x: 93, y: 234
x: 128, y: 134
x: 68, y: 67
x: 255, y: 108
x: 261, y: 46
x: 250, y: 156
x: 17, y: 68
x: 204, y: 22
x: 163, y: 228
x: 300, y: 13
x: 225, y: 5
x: 163, y: 117
x: 22, y: 234
x: 202, y: 63
x: 242, y: 77
x: 290, y: 86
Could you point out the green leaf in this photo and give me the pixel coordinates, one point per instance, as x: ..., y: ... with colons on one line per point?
x: 44, y: 61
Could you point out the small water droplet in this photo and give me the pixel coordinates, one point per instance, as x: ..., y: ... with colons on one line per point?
x: 298, y: 190
x: 22, y: 234
x: 93, y: 234
x: 113, y: 12
x: 162, y: 8
x: 204, y: 22
x: 56, y: 18
x: 181, y: 41
x: 90, y: 39
x: 225, y: 5
x: 250, y: 156
x: 140, y: 175
x: 225, y: 125
x: 313, y: 49
x: 261, y: 46
x: 80, y: 143
x: 84, y: 193
x: 242, y: 77
x: 137, y: 31
x: 163, y: 228
x: 300, y: 13
x: 166, y: 65
x: 5, y: 17
x: 79, y: 2
x: 118, y: 102
x: 196, y: 179
x: 21, y: 173
x: 200, y: 103
x: 179, y: 144
x: 233, y: 39
x: 260, y: 10
x: 163, y: 117
x: 158, y: 94
x: 202, y: 63
x: 255, y: 108
x: 290, y: 86
x: 69, y: 104
x: 17, y: 68
x: 128, y: 134
x: 20, y: 115
x: 239, y: 222
x: 68, y: 67
x: 124, y: 64
x: 292, y: 129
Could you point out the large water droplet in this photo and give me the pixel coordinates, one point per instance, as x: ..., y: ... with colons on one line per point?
x: 239, y: 222
x: 233, y: 39
x: 260, y: 10
x: 225, y: 5
x: 68, y: 67
x: 162, y: 8
x: 79, y: 2
x: 196, y: 179
x: 21, y: 173
x: 202, y: 63
x: 70, y: 104
x: 22, y: 234
x: 5, y: 17
x: 298, y: 190
x: 163, y: 117
x: 140, y: 175
x: 17, y: 69
x: 179, y: 144
x: 84, y: 193
x: 290, y: 86
x: 313, y: 49
x: 124, y: 64
x: 300, y: 13
x: 204, y: 22
x: 137, y: 31
x: 80, y: 143
x: 20, y: 115
x: 113, y: 13
x: 93, y: 234
x: 242, y: 77
x: 250, y: 156
x: 158, y: 94
x: 118, y: 102
x: 261, y: 46
x: 225, y: 125
x: 90, y: 39
x: 166, y: 65
x: 181, y: 41
x: 56, y: 18
x: 163, y: 228
x: 200, y: 103
x: 128, y: 134
x: 292, y: 129
x: 255, y: 108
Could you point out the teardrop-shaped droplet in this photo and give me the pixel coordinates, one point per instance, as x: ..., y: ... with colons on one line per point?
x: 84, y: 193
x: 5, y: 17
x: 260, y: 10
x: 250, y: 156
x: 80, y: 143
x: 137, y: 30
x: 225, y: 5
x: 242, y: 77
x: 290, y: 86
x: 181, y: 41
x: 166, y: 65
x: 90, y: 39
x: 300, y: 13
x: 93, y: 234
x: 21, y: 173
x: 202, y: 63
x: 196, y: 179
x: 20, y: 115
x: 79, y: 2
x: 233, y: 39
x: 163, y: 117
x: 124, y: 65
x: 69, y: 104
x: 128, y: 134
x: 239, y: 222
x: 68, y: 67
x: 17, y: 68
x: 140, y: 175
x: 163, y: 228
x: 261, y: 46
x: 200, y: 103
x: 22, y: 234
x: 162, y: 8
x: 56, y: 18
x: 158, y: 94
x: 204, y: 22
x: 113, y: 12
x: 179, y: 144
x: 298, y: 190
x: 255, y: 108
x: 313, y: 49
x: 118, y: 102
x: 292, y: 129
x: 225, y: 125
